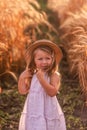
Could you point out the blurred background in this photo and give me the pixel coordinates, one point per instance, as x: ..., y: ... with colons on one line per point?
x: 64, y: 22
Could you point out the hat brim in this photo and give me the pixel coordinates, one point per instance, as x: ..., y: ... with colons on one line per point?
x: 32, y: 47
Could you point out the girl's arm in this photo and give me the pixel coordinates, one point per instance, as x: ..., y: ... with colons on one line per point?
x: 24, y: 82
x: 52, y: 87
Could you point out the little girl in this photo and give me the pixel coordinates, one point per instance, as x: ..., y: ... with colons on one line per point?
x: 41, y: 81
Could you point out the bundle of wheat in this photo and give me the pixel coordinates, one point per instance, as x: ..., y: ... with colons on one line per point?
x: 19, y: 19
x: 73, y: 34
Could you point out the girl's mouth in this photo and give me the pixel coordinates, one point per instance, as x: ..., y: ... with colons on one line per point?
x: 45, y: 68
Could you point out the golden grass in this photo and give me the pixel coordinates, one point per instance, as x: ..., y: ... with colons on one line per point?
x: 19, y: 22
x: 73, y: 32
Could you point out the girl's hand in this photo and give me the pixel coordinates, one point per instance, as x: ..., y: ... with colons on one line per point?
x: 25, y: 81
x: 40, y: 74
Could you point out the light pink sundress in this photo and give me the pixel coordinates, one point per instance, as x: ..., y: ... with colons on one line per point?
x: 41, y: 112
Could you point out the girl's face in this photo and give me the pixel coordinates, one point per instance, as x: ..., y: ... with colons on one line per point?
x: 43, y: 60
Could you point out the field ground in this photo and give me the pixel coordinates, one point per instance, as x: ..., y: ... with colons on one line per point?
x: 70, y: 98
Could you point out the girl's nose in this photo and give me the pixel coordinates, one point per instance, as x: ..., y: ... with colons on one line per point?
x: 44, y: 61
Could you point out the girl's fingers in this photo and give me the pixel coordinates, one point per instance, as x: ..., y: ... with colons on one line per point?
x: 37, y: 70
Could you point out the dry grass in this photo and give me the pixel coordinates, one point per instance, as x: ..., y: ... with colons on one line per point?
x: 19, y: 22
x: 73, y: 32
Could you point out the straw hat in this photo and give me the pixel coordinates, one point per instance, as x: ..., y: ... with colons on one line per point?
x: 32, y: 47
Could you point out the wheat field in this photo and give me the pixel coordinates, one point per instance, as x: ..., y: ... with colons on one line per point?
x: 72, y: 15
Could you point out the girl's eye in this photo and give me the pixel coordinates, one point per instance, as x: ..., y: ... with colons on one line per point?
x: 40, y: 59
x: 48, y: 58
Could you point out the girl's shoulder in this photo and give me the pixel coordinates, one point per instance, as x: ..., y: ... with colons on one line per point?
x: 55, y: 75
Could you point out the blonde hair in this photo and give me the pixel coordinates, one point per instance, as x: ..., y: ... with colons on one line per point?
x: 50, y: 51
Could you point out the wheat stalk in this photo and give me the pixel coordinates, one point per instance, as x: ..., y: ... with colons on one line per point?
x: 73, y: 33
x: 19, y: 19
